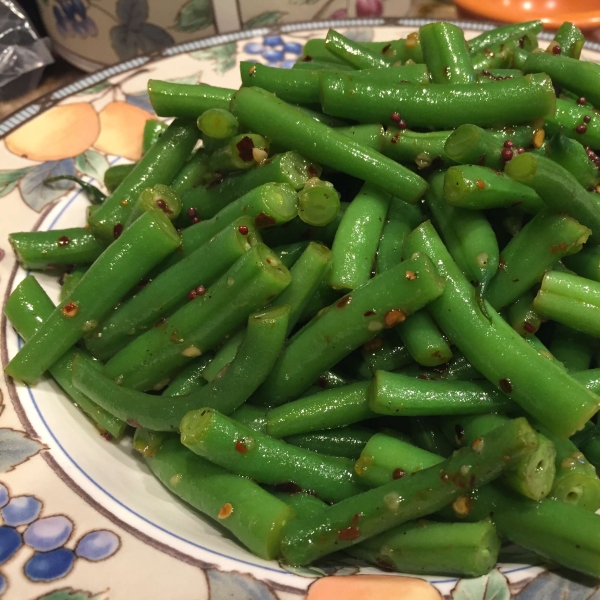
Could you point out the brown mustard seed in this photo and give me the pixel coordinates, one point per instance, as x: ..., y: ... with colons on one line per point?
x: 63, y: 241
x: 398, y: 474
x: 70, y: 309
x: 505, y: 385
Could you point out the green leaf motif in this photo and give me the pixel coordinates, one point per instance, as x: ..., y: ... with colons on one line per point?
x: 16, y: 448
x: 492, y: 586
x: 264, y: 19
x: 92, y: 163
x: 223, y: 56
x: 9, y: 179
x: 195, y: 15
x: 71, y: 594
x: 33, y: 190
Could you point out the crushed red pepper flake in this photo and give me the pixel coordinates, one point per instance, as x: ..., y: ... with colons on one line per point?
x: 240, y: 447
x: 411, y: 275
x: 393, y: 317
x: 225, y: 510
x: 70, y: 309
x: 554, y: 249
x: 369, y: 313
x: 264, y: 220
x: 529, y: 327
x: 480, y: 184
x: 117, y: 230
x: 373, y: 344
x: 344, y: 301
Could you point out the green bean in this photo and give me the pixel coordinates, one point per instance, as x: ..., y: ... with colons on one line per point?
x: 118, y: 268
x: 255, y: 357
x: 398, y: 50
x: 441, y: 106
x: 560, y: 532
x: 302, y: 86
x: 308, y: 64
x: 472, y: 145
x: 357, y: 238
x: 532, y: 475
x: 252, y: 416
x: 303, y: 503
x: 269, y: 204
x: 184, y: 100
x: 501, y: 34
x: 522, y: 317
x: 585, y: 263
x: 281, y: 123
x: 501, y: 55
x: 190, y: 378
x: 173, y: 288
x: 422, y: 149
x: 408, y: 498
x: 491, y: 75
x: 56, y: 248
x: 239, y: 153
x: 459, y: 368
x: 353, y: 53
x: 27, y: 308
x: 569, y: 40
x: 497, y: 351
x: 217, y: 123
x: 537, y: 247
x: 346, y: 442
x: 382, y: 302
x: 571, y: 155
x: 224, y: 355
x: 519, y: 58
x: 159, y: 165
x: 571, y: 300
x: 426, y: 547
x: 427, y: 435
x: 569, y: 116
x: 318, y: 202
x: 70, y: 280
x: 153, y: 129
x: 298, y: 230
x: 579, y: 76
x: 399, y: 395
x: 476, y: 187
x: 401, y: 219
x: 307, y: 274
x: 288, y: 254
x: 153, y: 357
x: 371, y: 135
x: 423, y: 340
x: 205, y: 202
x: 572, y: 348
x: 328, y: 120
x: 329, y: 409
x: 576, y: 481
x: 266, y: 460
x: 385, y: 352
x: 445, y: 53
x: 378, y: 462
x: 114, y: 176
x: 159, y: 197
x: 194, y: 172
x: 467, y: 233
x: 253, y: 515
x: 323, y: 297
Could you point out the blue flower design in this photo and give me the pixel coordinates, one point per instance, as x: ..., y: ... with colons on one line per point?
x: 274, y: 52
x: 71, y: 19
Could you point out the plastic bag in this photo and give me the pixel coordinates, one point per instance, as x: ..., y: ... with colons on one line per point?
x: 23, y: 55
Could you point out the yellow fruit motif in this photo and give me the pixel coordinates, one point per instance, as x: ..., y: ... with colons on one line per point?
x: 61, y: 132
x: 122, y: 130
x: 372, y: 587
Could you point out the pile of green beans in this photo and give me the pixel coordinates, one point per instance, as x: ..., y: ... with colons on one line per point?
x: 381, y: 302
